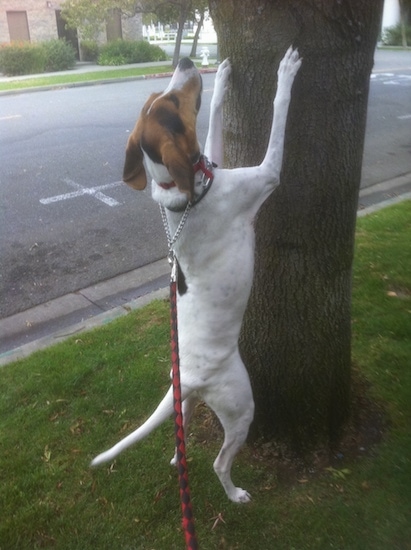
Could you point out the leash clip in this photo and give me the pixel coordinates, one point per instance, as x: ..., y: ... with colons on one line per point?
x: 172, y: 260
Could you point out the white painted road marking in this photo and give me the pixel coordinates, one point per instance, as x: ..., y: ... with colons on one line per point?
x: 81, y: 191
x: 404, y: 117
x: 392, y: 79
x: 9, y: 117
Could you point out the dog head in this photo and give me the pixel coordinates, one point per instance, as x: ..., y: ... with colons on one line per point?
x: 165, y: 134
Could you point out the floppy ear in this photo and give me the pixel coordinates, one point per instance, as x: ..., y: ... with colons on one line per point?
x: 134, y: 173
x: 179, y: 167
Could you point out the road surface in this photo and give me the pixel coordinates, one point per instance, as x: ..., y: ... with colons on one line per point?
x: 68, y: 222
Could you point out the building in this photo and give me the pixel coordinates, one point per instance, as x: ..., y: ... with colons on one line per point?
x: 41, y: 20
x: 391, y: 15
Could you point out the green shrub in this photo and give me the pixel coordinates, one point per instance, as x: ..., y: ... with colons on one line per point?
x: 145, y: 52
x: 392, y: 36
x: 121, y: 52
x: 21, y: 58
x: 89, y: 50
x: 59, y: 55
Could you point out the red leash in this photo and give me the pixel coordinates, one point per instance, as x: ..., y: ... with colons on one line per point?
x: 187, y: 512
x: 206, y: 167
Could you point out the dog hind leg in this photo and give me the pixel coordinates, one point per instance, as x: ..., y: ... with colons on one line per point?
x: 235, y: 434
x: 231, y: 398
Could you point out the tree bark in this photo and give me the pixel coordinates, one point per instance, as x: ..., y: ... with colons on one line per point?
x: 296, y: 339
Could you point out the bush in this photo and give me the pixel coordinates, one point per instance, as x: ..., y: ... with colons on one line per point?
x: 22, y: 58
x: 89, y: 50
x: 121, y: 52
x: 59, y: 55
x: 392, y: 36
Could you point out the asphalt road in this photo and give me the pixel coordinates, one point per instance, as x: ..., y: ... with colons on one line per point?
x: 387, y: 151
x: 66, y: 219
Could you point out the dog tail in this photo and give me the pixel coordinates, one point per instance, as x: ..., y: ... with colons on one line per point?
x: 163, y: 411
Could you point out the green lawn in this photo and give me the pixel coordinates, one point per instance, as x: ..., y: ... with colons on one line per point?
x: 62, y: 406
x: 79, y: 77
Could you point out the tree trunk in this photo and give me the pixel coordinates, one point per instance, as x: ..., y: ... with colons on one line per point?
x: 403, y: 24
x: 181, y: 21
x: 296, y: 339
x: 193, y: 52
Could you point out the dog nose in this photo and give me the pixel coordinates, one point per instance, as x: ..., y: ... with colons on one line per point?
x: 185, y: 64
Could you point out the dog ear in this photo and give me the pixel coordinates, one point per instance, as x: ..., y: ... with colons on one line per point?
x: 134, y: 173
x: 179, y: 167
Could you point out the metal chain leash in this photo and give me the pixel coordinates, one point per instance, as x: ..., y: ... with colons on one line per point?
x: 172, y: 240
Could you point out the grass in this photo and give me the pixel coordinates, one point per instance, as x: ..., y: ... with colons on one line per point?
x: 76, y: 77
x: 63, y: 405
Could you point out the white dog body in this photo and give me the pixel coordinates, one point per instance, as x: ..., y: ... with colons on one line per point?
x: 215, y: 249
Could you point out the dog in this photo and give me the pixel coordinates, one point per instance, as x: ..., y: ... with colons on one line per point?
x: 214, y: 247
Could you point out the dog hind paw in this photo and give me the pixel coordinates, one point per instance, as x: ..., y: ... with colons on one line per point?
x: 240, y: 496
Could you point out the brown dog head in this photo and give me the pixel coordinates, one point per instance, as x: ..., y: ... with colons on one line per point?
x: 166, y: 132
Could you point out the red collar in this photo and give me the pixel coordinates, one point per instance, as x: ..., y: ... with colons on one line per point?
x: 204, y: 165
x: 201, y: 165
x: 167, y: 185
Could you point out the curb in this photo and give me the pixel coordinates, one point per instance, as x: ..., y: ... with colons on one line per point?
x: 100, y: 302
x: 57, y: 319
x: 94, y: 322
x: 389, y: 202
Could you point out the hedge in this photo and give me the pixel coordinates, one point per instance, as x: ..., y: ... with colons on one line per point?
x: 20, y: 58
x: 392, y: 36
x: 121, y: 52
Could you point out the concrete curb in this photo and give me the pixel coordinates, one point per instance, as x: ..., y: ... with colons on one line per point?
x: 101, y: 303
x: 88, y: 324
x: 56, y: 319
x: 389, y: 202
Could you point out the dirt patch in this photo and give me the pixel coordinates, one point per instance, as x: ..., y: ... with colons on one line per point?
x: 360, y: 439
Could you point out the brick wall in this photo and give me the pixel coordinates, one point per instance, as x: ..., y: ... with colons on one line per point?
x: 42, y: 20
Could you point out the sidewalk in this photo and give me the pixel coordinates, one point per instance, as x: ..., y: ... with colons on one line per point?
x: 56, y: 320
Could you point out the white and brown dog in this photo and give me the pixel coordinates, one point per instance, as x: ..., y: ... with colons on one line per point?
x: 215, y: 248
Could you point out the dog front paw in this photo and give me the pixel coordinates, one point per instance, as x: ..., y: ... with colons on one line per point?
x: 289, y: 66
x: 221, y: 82
x: 224, y: 70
